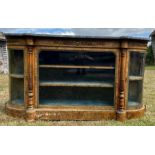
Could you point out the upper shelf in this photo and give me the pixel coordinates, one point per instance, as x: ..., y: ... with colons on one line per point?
x: 70, y: 66
x: 133, y: 78
x: 17, y: 75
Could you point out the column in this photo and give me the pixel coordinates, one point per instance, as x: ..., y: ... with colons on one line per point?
x: 121, y: 108
x: 30, y: 109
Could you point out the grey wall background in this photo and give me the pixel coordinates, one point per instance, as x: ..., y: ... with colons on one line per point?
x: 3, y: 55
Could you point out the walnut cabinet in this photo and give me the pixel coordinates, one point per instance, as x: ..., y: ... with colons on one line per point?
x: 75, y: 78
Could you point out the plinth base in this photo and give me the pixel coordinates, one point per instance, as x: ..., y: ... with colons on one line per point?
x: 70, y: 113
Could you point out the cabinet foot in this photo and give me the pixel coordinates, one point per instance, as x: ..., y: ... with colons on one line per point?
x: 30, y: 115
x: 121, y: 115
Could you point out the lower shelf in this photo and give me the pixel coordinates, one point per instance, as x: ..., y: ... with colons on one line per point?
x: 18, y: 101
x: 75, y: 103
x: 17, y: 91
x: 133, y: 103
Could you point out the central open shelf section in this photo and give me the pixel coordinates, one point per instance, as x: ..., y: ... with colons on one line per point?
x: 76, y: 78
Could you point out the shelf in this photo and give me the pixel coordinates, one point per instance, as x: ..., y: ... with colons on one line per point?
x: 17, y: 75
x: 134, y: 78
x: 77, y: 84
x: 133, y: 103
x: 75, y: 102
x: 69, y: 66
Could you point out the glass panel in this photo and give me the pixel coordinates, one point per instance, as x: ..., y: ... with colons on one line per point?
x: 137, y: 61
x: 76, y: 96
x: 136, y: 72
x: 77, y: 58
x: 76, y: 78
x: 16, y: 58
x: 135, y: 93
x: 16, y: 62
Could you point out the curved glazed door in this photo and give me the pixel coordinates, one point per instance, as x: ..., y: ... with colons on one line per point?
x: 136, y: 74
